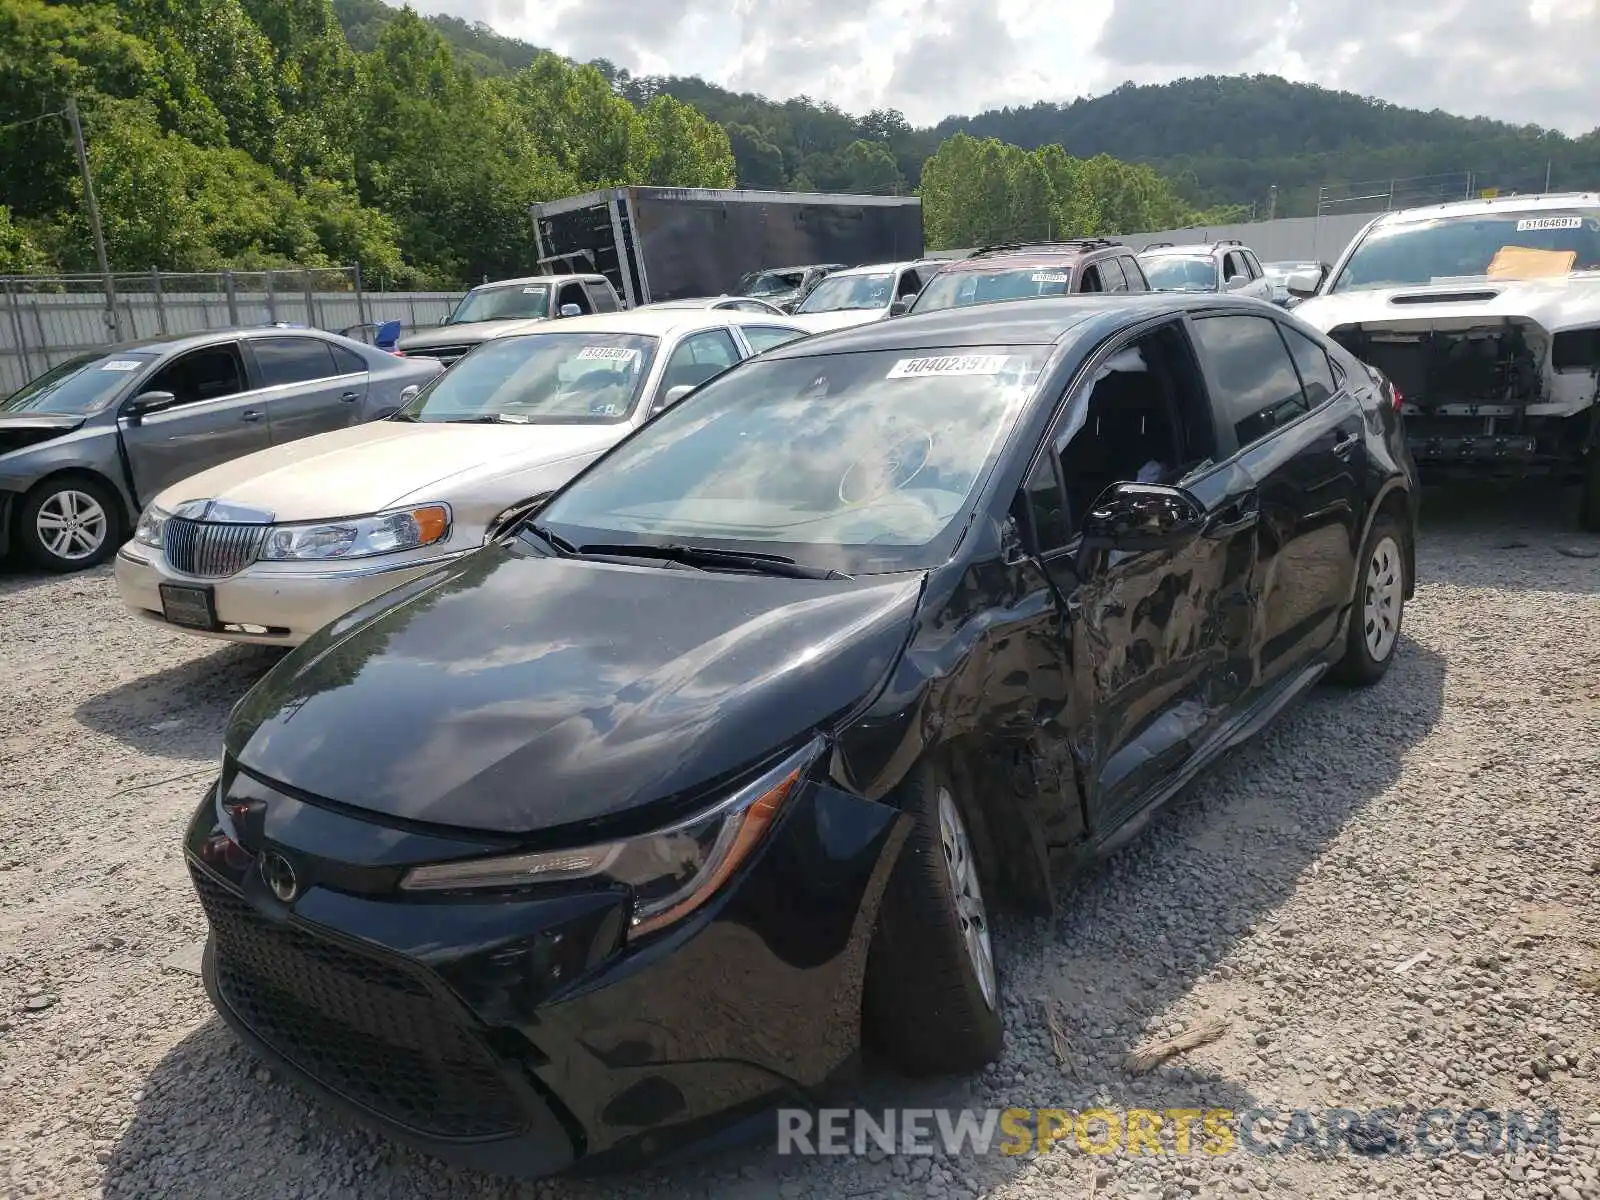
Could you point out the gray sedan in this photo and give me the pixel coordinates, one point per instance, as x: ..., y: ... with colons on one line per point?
x: 85, y: 445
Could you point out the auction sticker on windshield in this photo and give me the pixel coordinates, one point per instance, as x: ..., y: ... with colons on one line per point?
x: 1051, y: 277
x: 950, y: 364
x: 611, y: 353
x: 1531, y: 223
x: 121, y: 364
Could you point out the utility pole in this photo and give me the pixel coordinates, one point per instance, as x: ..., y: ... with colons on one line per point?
x: 1272, y: 202
x: 1549, y: 165
x: 112, y: 323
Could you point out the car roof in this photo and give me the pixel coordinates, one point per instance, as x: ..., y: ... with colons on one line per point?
x: 1193, y: 249
x: 1485, y: 207
x: 884, y: 268
x: 209, y: 337
x: 1041, y: 321
x: 804, y: 267
x: 649, y: 322
x: 587, y: 277
x: 1020, y: 258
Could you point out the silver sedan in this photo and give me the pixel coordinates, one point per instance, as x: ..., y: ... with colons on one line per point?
x: 87, y: 444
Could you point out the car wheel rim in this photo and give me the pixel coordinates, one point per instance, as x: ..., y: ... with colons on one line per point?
x: 1385, y: 595
x: 71, y: 525
x: 962, y: 869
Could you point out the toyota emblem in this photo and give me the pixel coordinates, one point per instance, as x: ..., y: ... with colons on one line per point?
x: 279, y: 876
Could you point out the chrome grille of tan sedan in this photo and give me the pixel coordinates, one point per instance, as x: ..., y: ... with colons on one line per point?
x: 208, y: 550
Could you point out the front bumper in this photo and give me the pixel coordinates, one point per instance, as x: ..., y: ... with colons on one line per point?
x: 266, y: 604
x: 520, y: 1034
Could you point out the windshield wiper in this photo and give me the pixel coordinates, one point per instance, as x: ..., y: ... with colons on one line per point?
x: 554, y: 540
x: 736, y: 560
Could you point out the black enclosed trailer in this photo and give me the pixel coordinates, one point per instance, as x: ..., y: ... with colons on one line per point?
x: 672, y: 243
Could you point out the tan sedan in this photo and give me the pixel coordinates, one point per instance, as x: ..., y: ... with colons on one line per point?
x: 270, y: 547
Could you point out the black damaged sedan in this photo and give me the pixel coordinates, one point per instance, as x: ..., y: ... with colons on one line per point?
x: 647, y: 816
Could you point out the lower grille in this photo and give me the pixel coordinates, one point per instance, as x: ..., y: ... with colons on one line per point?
x: 366, y: 1029
x: 208, y: 550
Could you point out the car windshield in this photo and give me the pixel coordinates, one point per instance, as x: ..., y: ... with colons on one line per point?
x: 541, y: 379
x: 958, y: 289
x: 863, y: 463
x: 770, y: 283
x: 79, y: 386
x: 1180, y: 273
x: 517, y: 302
x: 842, y: 293
x: 1504, y: 245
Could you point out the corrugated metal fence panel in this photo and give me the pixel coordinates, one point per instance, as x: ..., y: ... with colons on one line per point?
x: 1290, y: 238
x: 55, y: 326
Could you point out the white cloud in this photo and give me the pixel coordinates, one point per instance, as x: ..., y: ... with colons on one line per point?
x: 1515, y: 60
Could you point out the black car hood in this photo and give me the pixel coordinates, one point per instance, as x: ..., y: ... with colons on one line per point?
x: 522, y: 693
x: 19, y: 430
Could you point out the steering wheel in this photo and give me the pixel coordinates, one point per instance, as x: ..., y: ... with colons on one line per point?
x: 875, y: 475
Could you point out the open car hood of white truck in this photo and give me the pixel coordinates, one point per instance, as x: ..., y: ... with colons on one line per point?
x: 1556, y: 304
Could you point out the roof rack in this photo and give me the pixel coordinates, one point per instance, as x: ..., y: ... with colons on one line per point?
x: 1227, y: 242
x: 1069, y: 244
x: 1159, y: 245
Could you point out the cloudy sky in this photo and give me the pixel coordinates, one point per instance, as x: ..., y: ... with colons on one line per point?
x: 1510, y: 59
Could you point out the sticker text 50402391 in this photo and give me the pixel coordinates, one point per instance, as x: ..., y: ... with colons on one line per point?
x: 948, y: 364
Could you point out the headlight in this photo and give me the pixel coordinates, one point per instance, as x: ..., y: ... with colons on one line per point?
x: 358, y: 537
x: 152, y: 524
x: 671, y: 872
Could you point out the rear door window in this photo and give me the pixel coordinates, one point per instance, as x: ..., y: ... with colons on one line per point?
x: 285, y: 360
x: 1316, y: 371
x: 765, y: 337
x: 1255, y: 386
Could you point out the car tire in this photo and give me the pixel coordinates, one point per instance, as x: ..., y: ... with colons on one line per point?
x: 932, y: 996
x: 69, y: 523
x: 1589, y: 493
x: 1374, y: 633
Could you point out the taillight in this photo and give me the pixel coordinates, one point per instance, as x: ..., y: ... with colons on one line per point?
x: 1394, y: 392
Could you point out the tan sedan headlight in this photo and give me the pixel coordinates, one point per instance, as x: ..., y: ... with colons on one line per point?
x: 152, y: 524
x: 358, y: 537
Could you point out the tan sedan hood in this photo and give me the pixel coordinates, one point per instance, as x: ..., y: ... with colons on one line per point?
x: 368, y: 468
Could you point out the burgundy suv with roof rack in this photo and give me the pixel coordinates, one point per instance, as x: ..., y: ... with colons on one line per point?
x: 1025, y: 270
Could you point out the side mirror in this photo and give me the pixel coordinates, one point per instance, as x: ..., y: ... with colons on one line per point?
x: 898, y: 308
x: 444, y: 320
x: 1303, y: 284
x: 674, y: 394
x: 1234, y: 284
x: 147, y: 402
x: 1142, y: 516
x: 569, y: 310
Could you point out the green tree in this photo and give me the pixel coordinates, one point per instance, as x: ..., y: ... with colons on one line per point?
x: 869, y: 168
x: 571, y: 114
x: 678, y: 147
x: 18, y: 254
x: 1030, y: 197
x: 1074, y: 210
x: 757, y: 161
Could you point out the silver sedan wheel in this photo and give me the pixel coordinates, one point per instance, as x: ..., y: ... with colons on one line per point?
x: 962, y: 869
x: 71, y: 525
x: 1385, y: 593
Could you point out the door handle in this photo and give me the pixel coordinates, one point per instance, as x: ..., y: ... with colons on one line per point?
x: 251, y: 414
x: 1242, y: 514
x: 350, y: 397
x: 1347, y: 443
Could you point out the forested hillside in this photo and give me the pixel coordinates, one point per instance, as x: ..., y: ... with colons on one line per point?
x: 1222, y: 140
x: 251, y: 133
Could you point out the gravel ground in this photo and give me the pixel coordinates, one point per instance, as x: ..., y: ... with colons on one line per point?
x: 1386, y: 898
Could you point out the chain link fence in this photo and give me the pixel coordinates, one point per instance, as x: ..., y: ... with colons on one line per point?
x: 47, y: 319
